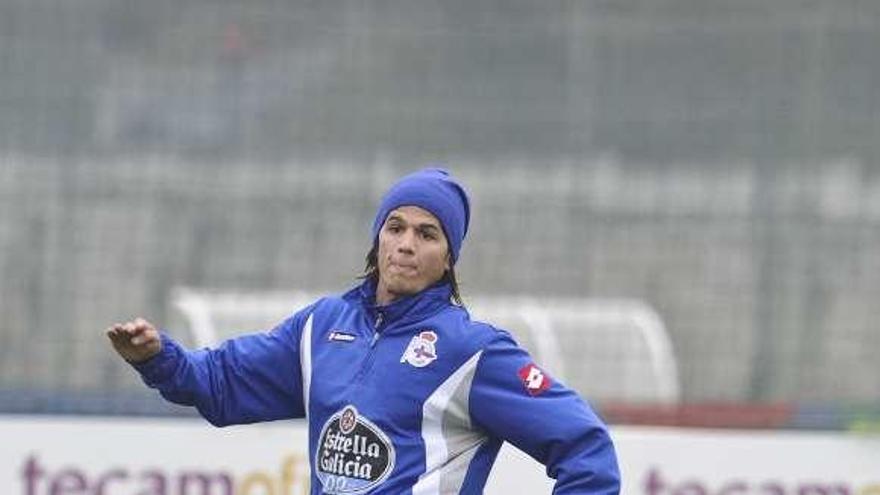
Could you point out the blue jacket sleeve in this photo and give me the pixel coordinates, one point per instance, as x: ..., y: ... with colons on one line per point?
x: 247, y: 379
x: 516, y: 401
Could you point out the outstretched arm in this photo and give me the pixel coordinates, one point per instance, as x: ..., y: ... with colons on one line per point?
x: 251, y: 378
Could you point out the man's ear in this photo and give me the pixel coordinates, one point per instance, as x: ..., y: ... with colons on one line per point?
x: 448, y: 260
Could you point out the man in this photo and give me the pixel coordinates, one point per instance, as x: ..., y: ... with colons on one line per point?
x: 403, y: 392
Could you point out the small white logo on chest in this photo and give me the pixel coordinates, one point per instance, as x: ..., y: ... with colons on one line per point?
x: 338, y: 336
x: 422, y: 350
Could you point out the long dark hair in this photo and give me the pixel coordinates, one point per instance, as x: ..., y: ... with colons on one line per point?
x: 371, y: 272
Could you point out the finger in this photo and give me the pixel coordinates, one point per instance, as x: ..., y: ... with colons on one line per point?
x: 139, y: 338
x: 143, y: 339
x: 119, y: 339
x: 129, y: 327
x: 115, y: 330
x: 119, y: 334
x: 141, y: 325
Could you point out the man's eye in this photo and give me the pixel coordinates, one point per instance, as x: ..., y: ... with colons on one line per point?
x: 428, y: 235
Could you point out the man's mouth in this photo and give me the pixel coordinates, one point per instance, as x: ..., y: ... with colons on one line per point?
x: 403, y: 267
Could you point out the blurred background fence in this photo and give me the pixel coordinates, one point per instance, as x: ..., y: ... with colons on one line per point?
x: 717, y: 160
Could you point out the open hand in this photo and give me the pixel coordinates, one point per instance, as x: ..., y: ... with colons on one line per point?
x: 136, y: 341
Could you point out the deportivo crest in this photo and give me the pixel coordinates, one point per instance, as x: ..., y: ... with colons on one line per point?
x: 422, y: 350
x: 534, y: 379
x: 353, y: 454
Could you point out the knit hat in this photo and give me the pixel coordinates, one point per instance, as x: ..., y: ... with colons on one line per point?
x: 436, y: 191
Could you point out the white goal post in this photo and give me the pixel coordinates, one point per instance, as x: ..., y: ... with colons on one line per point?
x: 607, y: 349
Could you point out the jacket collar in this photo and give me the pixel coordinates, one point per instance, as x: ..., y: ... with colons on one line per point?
x: 406, y: 309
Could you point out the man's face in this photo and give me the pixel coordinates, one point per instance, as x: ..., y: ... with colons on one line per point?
x: 413, y: 253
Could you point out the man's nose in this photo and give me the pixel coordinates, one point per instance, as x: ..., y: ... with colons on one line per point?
x: 407, y: 242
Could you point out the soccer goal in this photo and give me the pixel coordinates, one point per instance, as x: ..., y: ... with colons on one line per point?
x: 607, y: 349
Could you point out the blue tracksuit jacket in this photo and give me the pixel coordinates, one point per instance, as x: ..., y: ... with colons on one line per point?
x: 408, y: 398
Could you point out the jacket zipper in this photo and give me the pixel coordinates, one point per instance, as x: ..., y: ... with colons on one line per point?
x: 371, y: 354
x: 379, y: 319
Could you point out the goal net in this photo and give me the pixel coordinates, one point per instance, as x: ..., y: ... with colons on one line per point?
x: 608, y: 350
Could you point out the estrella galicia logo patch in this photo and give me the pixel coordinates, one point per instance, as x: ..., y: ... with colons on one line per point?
x: 534, y: 379
x: 422, y: 349
x: 353, y: 455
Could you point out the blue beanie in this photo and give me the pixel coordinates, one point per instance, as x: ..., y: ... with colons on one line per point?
x: 434, y: 190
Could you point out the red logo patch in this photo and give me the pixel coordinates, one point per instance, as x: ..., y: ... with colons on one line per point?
x: 534, y: 379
